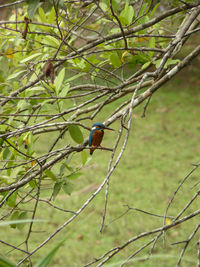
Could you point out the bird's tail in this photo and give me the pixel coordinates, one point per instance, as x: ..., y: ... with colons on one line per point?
x: 91, y: 151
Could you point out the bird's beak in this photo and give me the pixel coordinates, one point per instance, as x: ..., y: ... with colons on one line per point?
x: 108, y: 128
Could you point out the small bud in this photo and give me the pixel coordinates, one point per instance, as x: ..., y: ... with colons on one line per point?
x: 49, y: 70
x: 24, y: 33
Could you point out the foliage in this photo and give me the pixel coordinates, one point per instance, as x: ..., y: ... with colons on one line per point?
x: 43, y: 262
x: 102, y: 52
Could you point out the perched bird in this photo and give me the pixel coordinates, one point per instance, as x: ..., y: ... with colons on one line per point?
x: 96, y: 135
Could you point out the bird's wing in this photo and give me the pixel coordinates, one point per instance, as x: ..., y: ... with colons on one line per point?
x: 90, y: 138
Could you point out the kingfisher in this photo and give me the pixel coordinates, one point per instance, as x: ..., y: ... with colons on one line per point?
x: 96, y: 135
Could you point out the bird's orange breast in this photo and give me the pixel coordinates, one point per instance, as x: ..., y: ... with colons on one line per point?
x: 97, y: 137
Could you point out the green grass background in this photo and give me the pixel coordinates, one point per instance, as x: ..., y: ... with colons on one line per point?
x: 161, y: 148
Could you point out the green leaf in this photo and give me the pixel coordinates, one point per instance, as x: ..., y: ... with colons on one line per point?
x: 103, y: 6
x: 67, y: 188
x: 14, y: 217
x: 11, y: 201
x: 22, y: 217
x: 169, y: 62
x: 51, y: 17
x: 6, y: 153
x: 14, y: 75
x: 75, y: 77
x: 34, y: 75
x: 21, y: 104
x: 50, y: 40
x: 152, y: 44
x: 36, y: 89
x: 146, y: 65
x: 50, y: 255
x: 83, y: 157
x: 30, y: 57
x: 74, y: 176
x: 56, y: 189
x: 4, y: 65
x: 115, y: 60
x: 20, y: 221
x: 172, y: 62
x: 32, y: 184
x: 51, y: 175
x: 127, y: 14
x: 32, y: 7
x: 139, y: 59
x: 154, y: 9
x: 59, y: 79
x: 64, y: 91
x: 76, y: 133
x: 59, y: 3
x: 69, y: 168
x: 42, y: 15
x: 5, y: 263
x: 30, y: 144
x: 62, y: 169
x: 142, y: 10
x: 115, y: 4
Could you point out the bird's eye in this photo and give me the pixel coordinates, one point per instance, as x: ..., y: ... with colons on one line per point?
x: 93, y: 128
